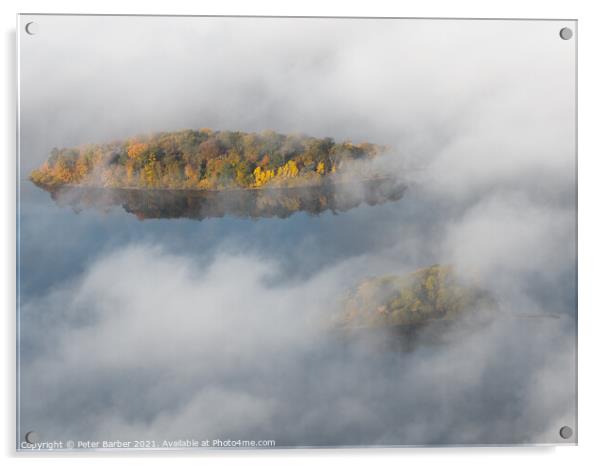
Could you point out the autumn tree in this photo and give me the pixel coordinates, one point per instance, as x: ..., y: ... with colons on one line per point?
x: 136, y: 150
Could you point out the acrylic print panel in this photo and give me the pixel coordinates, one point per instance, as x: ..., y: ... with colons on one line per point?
x: 284, y: 232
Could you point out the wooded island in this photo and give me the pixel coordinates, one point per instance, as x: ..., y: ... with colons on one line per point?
x: 205, y: 160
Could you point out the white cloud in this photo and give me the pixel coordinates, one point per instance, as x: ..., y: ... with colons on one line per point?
x: 170, y: 350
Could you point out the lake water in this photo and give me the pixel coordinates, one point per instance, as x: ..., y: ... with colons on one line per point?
x: 231, y: 313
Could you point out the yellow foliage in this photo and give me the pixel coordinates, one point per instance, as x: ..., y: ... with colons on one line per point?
x: 262, y: 176
x: 150, y: 171
x: 321, y: 168
x: 62, y: 173
x: 288, y: 170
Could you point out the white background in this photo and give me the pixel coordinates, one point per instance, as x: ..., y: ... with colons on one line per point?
x: 590, y: 234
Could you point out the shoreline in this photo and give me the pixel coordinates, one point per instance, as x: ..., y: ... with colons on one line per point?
x: 326, y: 183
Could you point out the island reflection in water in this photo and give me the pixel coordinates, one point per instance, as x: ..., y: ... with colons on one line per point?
x: 247, y: 203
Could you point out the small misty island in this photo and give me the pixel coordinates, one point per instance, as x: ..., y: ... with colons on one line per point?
x: 206, y: 173
x: 428, y: 294
x: 416, y: 307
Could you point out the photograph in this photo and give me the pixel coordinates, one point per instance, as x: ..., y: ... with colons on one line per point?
x: 270, y: 232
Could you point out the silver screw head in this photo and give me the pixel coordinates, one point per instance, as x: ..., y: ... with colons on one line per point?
x: 566, y: 33
x: 566, y: 432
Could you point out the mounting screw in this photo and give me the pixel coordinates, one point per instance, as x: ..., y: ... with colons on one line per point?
x: 566, y: 33
x: 566, y: 432
x: 31, y: 28
x: 32, y: 437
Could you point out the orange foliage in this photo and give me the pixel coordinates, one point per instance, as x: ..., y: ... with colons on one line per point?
x: 136, y: 150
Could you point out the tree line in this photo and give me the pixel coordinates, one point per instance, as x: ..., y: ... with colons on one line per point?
x: 203, y: 159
